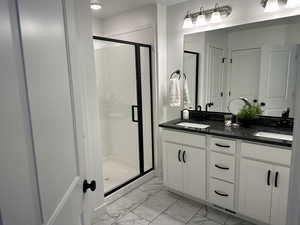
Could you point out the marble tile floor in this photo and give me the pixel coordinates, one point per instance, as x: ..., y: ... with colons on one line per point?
x: 152, y: 204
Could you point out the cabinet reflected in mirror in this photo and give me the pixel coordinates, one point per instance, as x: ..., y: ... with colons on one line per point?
x: 256, y: 61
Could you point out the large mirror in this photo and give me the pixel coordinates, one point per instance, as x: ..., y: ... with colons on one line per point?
x: 258, y: 62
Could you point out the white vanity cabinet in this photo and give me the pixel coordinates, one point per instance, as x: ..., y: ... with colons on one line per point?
x: 264, y: 183
x: 185, y: 163
x: 249, y: 179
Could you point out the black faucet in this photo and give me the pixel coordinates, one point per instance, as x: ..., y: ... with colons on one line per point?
x: 284, y: 120
x: 199, y: 108
x: 208, y: 105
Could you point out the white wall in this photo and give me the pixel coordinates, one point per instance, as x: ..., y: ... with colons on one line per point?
x: 97, y: 26
x: 244, y: 11
x: 137, y: 25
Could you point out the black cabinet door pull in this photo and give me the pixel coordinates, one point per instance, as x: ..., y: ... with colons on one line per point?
x: 183, y: 157
x: 222, y: 146
x: 221, y: 194
x: 221, y: 167
x: 269, y: 177
x: 276, y: 179
x: 179, y: 153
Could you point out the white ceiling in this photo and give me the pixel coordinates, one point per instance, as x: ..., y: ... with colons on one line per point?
x: 113, y: 7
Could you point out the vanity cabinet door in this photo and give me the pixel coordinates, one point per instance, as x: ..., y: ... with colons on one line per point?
x: 173, y: 166
x: 194, y: 167
x: 255, y: 190
x: 280, y: 195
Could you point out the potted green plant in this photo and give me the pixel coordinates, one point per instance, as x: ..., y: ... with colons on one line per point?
x: 249, y: 112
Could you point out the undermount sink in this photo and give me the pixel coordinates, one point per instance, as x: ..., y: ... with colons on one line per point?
x: 193, y: 125
x: 275, y: 136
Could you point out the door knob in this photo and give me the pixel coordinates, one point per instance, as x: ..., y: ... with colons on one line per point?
x: 91, y: 186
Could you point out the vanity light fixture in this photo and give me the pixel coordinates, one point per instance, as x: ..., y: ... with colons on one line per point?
x: 188, y: 22
x: 95, y: 5
x: 200, y: 18
x: 216, y: 15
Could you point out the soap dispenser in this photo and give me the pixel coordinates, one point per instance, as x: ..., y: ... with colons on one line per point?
x: 185, y: 114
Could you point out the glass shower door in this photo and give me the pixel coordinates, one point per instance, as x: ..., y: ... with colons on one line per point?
x: 118, y: 105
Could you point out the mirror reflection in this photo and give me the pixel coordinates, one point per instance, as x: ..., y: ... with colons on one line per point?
x: 258, y: 62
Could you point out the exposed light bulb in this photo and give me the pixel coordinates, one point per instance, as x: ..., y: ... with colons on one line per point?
x: 96, y: 6
x: 216, y: 17
x: 272, y: 6
x: 201, y: 20
x: 292, y: 3
x: 188, y: 22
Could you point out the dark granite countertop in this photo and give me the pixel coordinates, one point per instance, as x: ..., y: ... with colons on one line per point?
x: 217, y: 128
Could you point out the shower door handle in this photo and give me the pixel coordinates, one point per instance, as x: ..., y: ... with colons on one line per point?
x: 133, y: 109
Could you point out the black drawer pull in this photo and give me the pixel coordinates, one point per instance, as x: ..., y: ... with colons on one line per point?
x: 183, y: 157
x: 221, y: 194
x: 276, y: 179
x: 179, y: 153
x: 222, y: 146
x: 269, y: 177
x: 221, y: 167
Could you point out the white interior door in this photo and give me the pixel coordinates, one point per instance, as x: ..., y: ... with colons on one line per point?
x: 278, y: 79
x: 59, y: 163
x: 216, y: 78
x: 244, y: 74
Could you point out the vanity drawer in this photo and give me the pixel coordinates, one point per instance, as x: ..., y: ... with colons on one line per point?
x: 267, y: 153
x: 221, y: 193
x: 222, y: 166
x: 223, y: 145
x: 184, y: 138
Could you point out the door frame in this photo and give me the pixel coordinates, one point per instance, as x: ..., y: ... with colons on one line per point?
x: 137, y: 47
x: 78, y: 30
x: 197, y: 74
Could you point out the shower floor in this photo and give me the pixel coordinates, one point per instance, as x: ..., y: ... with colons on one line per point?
x: 116, y: 173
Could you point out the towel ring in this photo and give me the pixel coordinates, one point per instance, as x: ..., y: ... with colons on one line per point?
x: 177, y: 72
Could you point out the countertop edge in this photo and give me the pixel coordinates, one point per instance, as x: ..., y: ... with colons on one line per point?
x: 251, y: 139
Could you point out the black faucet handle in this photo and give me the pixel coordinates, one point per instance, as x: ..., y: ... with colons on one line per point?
x: 199, y: 108
x: 286, y: 113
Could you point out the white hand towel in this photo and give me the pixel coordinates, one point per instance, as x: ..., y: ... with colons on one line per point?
x: 186, y: 94
x: 174, y: 92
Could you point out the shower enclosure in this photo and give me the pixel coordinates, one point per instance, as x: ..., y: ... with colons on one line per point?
x: 124, y: 82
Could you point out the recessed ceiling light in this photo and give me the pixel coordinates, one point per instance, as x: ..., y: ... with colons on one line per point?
x: 95, y: 5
